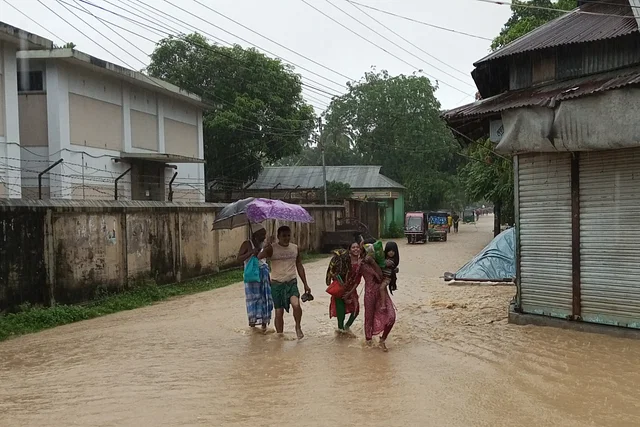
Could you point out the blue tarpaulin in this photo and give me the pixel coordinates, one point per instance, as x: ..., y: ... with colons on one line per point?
x: 496, y: 262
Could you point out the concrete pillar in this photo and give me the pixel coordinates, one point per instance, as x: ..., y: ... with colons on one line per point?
x: 161, y: 141
x: 57, y: 86
x: 201, y: 176
x: 13, y: 175
x: 126, y: 118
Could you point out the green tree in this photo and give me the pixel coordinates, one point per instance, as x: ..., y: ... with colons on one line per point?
x: 393, y: 121
x: 525, y: 19
x: 258, y: 115
x: 488, y: 176
x: 338, y: 190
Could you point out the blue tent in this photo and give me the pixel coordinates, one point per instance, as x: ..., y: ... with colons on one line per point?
x: 495, y: 263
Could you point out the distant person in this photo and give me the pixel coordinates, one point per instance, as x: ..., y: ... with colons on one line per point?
x: 286, y: 265
x: 456, y: 222
x: 449, y: 222
x: 257, y: 294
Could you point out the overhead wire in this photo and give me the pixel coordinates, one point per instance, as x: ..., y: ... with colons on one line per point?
x: 160, y: 14
x: 273, y: 41
x: 34, y: 21
x: 341, y: 85
x: 415, y: 46
x: 135, y: 46
x: 378, y: 46
x: 396, y: 44
x: 152, y: 80
x: 60, y: 2
x: 438, y: 27
x: 551, y: 9
x: 181, y: 36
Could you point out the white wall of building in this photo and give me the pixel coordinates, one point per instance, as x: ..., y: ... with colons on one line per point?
x: 89, y: 170
x: 10, y: 164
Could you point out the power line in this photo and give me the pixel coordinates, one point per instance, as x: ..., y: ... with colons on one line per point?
x: 61, y: 3
x: 248, y: 42
x: 273, y: 41
x: 151, y: 80
x: 34, y: 21
x: 551, y: 9
x: 396, y: 44
x: 135, y: 46
x: 376, y: 45
x: 406, y: 40
x: 76, y: 28
x: 157, y: 12
x: 420, y: 22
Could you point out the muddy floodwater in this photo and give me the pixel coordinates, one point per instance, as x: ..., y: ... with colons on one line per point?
x: 453, y: 361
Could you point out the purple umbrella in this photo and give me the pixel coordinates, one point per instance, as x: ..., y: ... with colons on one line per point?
x: 262, y: 209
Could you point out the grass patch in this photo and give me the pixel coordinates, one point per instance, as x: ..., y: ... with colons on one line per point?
x: 32, y: 319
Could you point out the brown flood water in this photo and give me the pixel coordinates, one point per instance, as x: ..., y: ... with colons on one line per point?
x: 453, y: 361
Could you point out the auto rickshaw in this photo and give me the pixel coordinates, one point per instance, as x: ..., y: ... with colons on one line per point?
x: 469, y: 216
x: 438, y: 226
x: 415, y: 227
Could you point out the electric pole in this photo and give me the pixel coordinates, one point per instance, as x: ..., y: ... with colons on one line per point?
x: 324, y: 166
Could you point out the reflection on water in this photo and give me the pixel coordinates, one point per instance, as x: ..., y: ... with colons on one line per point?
x: 453, y: 361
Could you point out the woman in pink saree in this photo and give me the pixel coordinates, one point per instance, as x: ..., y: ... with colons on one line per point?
x: 379, y: 318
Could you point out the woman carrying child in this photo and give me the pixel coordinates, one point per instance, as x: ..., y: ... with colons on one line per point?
x: 380, y: 313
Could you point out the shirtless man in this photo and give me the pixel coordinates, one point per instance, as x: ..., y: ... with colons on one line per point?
x: 286, y: 266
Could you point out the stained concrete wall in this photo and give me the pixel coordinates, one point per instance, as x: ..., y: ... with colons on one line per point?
x: 68, y: 252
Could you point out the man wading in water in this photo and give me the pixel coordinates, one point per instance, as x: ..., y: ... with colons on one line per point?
x: 286, y: 265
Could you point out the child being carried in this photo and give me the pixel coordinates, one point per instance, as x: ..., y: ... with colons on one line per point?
x: 388, y: 262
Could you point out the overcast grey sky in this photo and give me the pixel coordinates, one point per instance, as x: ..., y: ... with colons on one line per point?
x: 294, y: 25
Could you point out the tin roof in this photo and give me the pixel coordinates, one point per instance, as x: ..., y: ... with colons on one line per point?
x: 546, y: 96
x: 307, y: 177
x: 590, y: 22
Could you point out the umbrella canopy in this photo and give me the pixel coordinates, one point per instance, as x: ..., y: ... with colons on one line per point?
x: 260, y: 210
x: 233, y: 215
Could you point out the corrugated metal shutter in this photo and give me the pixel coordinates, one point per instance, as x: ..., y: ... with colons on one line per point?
x: 544, y: 197
x: 610, y: 237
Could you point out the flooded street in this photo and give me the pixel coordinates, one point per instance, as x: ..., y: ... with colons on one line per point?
x: 453, y: 361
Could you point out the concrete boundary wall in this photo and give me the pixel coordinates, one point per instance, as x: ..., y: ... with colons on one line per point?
x: 66, y: 252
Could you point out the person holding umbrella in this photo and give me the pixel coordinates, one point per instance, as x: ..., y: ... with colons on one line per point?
x: 257, y: 294
x: 286, y: 260
x: 286, y: 266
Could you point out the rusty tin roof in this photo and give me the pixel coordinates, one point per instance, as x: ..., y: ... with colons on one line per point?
x: 546, y: 96
x: 590, y: 22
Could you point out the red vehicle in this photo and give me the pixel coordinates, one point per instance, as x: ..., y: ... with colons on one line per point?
x: 415, y: 227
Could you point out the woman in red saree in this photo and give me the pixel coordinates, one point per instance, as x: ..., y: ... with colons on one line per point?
x: 347, y: 266
x: 379, y: 318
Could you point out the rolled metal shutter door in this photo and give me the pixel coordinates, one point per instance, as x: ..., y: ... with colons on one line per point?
x: 544, y: 206
x: 610, y: 237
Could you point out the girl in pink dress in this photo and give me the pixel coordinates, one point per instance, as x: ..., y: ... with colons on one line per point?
x: 379, y: 318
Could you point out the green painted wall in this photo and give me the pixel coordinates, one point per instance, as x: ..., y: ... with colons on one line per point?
x: 394, y: 212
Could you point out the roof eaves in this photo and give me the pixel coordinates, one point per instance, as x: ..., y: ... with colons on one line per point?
x: 132, y: 76
x: 24, y: 39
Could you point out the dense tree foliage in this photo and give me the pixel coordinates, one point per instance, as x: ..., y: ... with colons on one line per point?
x: 338, y: 190
x: 489, y: 176
x: 258, y: 114
x: 392, y: 121
x: 525, y: 19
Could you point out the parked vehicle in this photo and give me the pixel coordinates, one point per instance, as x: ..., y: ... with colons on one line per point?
x: 415, y: 227
x: 468, y: 216
x: 438, y: 226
